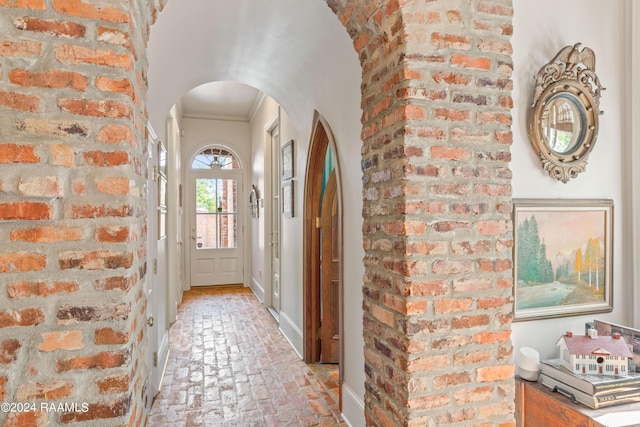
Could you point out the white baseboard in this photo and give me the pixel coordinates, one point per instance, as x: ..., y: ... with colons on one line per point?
x: 352, y: 408
x: 292, y: 333
x: 257, y: 289
x: 163, y: 356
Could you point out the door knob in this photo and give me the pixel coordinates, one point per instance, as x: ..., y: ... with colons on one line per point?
x: 150, y: 321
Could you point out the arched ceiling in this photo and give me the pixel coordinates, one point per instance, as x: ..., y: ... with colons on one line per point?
x: 295, y: 51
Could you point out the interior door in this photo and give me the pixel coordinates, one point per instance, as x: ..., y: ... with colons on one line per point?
x: 276, y: 221
x: 330, y: 279
x: 216, y: 228
x: 153, y: 283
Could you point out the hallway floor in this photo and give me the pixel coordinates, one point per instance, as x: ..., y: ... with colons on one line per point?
x: 229, y: 365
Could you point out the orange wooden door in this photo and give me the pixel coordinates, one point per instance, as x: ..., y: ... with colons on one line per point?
x: 330, y: 281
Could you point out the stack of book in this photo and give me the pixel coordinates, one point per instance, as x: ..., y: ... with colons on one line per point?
x: 594, y: 391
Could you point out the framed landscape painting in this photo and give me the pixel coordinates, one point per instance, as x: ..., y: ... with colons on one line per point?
x: 562, y: 257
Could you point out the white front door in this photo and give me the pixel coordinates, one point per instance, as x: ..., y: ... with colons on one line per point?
x: 216, y: 228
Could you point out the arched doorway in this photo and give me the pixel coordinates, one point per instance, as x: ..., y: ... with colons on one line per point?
x: 322, y: 236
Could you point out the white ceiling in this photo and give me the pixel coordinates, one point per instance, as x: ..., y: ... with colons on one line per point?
x: 294, y: 51
x: 226, y: 100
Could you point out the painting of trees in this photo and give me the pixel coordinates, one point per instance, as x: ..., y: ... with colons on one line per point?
x: 533, y: 264
x: 562, y: 258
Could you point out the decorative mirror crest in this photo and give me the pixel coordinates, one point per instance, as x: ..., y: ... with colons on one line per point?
x: 563, y: 125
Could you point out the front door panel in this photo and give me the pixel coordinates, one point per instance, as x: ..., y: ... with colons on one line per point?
x: 216, y: 229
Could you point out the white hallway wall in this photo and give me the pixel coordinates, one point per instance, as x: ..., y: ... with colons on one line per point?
x: 541, y: 29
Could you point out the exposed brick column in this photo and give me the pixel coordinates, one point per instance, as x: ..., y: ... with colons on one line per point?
x: 437, y: 202
x: 72, y: 209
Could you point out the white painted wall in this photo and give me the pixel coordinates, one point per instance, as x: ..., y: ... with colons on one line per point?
x: 541, y: 29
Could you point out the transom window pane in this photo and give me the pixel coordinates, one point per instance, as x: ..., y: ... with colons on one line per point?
x: 216, y: 213
x: 215, y: 158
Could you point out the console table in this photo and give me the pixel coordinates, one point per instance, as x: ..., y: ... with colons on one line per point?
x: 537, y: 406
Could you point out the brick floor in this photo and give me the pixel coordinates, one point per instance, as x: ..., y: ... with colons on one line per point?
x: 229, y: 365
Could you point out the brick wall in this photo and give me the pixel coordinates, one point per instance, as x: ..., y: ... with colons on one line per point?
x: 72, y: 208
x: 437, y: 202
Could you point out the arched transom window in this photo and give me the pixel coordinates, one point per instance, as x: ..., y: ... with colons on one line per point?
x: 215, y: 157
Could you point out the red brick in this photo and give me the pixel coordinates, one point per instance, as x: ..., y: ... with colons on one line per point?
x: 20, y: 101
x: 40, y: 186
x: 103, y: 360
x: 49, y: 391
x: 450, y: 41
x: 25, y: 211
x: 492, y: 337
x: 3, y: 392
x: 21, y: 290
x: 115, y: 36
x: 78, y: 186
x: 109, y: 336
x: 106, y: 159
x: 109, y: 109
x: 83, y: 9
x: 479, y: 63
x: 113, y: 185
x: 114, y: 133
x: 101, y: 410
x: 452, y: 115
x: 83, y: 55
x: 22, y: 317
x: 62, y: 128
x: 113, y: 384
x: 54, y: 79
x: 21, y: 262
x: 61, y: 340
x: 24, y: 4
x: 464, y: 396
x: 115, y: 283
x: 70, y: 314
x: 470, y: 321
x: 444, y: 306
x: 50, y: 26
x: 62, y: 155
x: 112, y: 234
x: 31, y: 419
x: 99, y: 211
x: 484, y: 117
x: 95, y: 260
x: 451, y: 78
x: 429, y: 402
x: 493, y: 8
x: 13, y: 153
x: 20, y: 48
x: 428, y: 363
x: 118, y: 86
x: 9, y: 351
x: 494, y: 373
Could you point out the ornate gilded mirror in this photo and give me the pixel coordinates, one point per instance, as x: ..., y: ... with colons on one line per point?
x: 563, y: 125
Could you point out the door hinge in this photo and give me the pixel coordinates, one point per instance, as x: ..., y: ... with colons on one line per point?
x: 155, y: 266
x: 155, y: 359
x: 318, y: 222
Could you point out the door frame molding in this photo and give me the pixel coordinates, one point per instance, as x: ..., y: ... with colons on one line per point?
x: 321, y: 139
x: 267, y: 219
